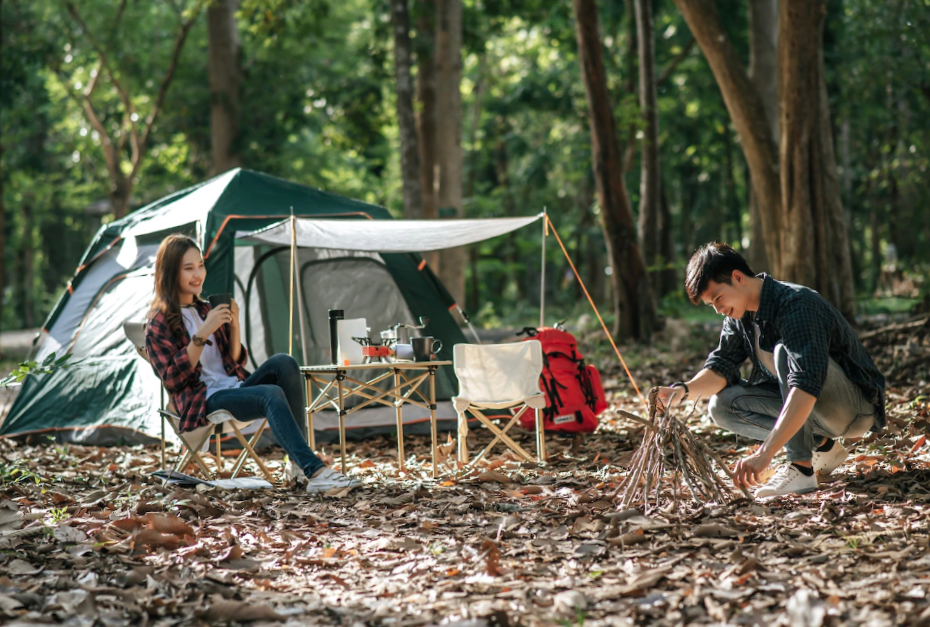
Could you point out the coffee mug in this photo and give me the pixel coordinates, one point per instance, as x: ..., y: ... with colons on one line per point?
x: 424, y: 347
x: 219, y: 299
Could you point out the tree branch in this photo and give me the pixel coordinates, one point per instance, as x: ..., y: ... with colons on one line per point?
x: 667, y: 72
x: 104, y: 58
x: 83, y: 100
x: 163, y: 88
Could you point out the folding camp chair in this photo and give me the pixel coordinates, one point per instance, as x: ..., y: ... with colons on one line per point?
x: 499, y: 376
x: 197, y: 441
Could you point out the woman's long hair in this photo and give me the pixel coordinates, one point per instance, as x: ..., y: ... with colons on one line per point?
x: 167, y: 272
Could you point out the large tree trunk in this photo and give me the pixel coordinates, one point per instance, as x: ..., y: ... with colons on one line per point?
x: 837, y: 277
x: 814, y: 245
x: 426, y: 116
x: 409, y: 145
x: 449, y: 135
x: 650, y: 179
x: 747, y: 111
x: 763, y: 70
x: 223, y: 58
x: 633, y: 301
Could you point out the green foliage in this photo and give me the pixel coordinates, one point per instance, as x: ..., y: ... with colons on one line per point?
x: 48, y: 365
x: 318, y: 107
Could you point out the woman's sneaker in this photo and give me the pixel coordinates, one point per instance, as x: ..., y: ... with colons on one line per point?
x: 329, y: 479
x: 827, y: 461
x: 787, y: 480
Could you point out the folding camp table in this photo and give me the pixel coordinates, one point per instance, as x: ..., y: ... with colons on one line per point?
x: 362, y: 380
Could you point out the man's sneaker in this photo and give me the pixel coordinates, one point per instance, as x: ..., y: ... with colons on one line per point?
x: 787, y: 480
x: 828, y: 461
x: 329, y: 479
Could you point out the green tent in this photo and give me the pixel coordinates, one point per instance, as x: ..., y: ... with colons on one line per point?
x: 112, y: 395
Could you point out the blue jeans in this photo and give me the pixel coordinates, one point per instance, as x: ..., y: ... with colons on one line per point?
x: 752, y: 410
x: 274, y: 391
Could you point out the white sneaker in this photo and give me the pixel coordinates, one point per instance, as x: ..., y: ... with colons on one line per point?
x: 787, y: 480
x: 329, y: 479
x: 828, y: 461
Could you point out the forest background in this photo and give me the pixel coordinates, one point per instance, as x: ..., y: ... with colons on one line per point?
x: 796, y: 132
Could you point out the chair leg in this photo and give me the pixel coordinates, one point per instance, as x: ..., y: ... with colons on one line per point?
x: 250, y: 452
x: 219, y: 452
x: 462, y: 436
x: 540, y: 437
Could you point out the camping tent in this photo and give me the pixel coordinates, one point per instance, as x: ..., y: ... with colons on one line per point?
x: 111, y: 395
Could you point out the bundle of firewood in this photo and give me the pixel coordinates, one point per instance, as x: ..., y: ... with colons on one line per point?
x: 670, y: 462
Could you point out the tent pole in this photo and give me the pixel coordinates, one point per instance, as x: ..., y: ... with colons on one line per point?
x: 300, y: 298
x: 290, y: 289
x: 542, y: 283
x: 467, y: 320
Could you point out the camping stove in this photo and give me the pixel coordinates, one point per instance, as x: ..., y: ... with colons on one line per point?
x: 381, y: 353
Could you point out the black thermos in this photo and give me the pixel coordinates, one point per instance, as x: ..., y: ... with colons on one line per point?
x: 334, y: 316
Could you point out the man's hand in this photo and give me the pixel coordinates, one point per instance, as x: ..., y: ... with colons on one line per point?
x: 669, y: 397
x: 748, y: 472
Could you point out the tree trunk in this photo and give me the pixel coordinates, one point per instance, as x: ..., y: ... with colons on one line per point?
x: 814, y: 248
x: 838, y: 275
x: 223, y: 62
x: 747, y: 111
x: 2, y: 244
x: 426, y: 117
x: 632, y: 297
x: 763, y: 70
x: 409, y: 144
x: 449, y: 135
x: 27, y: 267
x: 650, y: 179
x: 666, y: 245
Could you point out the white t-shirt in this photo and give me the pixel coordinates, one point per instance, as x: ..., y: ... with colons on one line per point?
x: 212, y: 372
x: 766, y: 358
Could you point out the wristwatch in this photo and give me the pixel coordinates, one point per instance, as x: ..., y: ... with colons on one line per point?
x: 682, y: 384
x: 199, y: 341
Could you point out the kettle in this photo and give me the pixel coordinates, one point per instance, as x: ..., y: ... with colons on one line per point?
x: 400, y: 333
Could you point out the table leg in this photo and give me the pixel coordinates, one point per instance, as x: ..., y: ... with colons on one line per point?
x: 311, y: 437
x: 398, y: 411
x: 432, y: 417
x: 340, y: 376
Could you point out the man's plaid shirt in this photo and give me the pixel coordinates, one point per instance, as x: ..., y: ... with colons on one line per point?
x: 812, y: 331
x: 168, y: 354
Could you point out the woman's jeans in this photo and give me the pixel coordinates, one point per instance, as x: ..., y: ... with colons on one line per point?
x: 752, y: 410
x: 275, y: 392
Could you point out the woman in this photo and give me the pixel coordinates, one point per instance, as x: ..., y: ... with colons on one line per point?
x: 197, y: 353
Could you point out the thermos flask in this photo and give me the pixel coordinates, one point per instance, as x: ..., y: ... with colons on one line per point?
x: 334, y: 316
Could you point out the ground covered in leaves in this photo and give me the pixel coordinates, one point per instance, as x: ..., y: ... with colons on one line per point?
x: 88, y: 538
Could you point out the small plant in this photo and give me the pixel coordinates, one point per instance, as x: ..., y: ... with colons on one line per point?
x: 17, y: 472
x: 58, y: 514
x: 580, y: 616
x: 50, y: 364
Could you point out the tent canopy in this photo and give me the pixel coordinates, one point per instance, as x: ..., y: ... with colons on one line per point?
x: 394, y: 236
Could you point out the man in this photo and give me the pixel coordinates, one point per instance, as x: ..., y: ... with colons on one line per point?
x: 812, y: 380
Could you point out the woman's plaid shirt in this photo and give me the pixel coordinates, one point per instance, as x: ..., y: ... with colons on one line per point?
x: 167, y: 353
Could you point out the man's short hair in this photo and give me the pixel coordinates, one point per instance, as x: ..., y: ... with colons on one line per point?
x: 712, y: 262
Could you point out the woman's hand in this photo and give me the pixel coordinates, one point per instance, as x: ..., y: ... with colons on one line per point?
x: 215, y: 319
x: 234, y: 307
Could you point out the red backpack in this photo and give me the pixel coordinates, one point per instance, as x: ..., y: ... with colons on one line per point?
x: 574, y: 394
